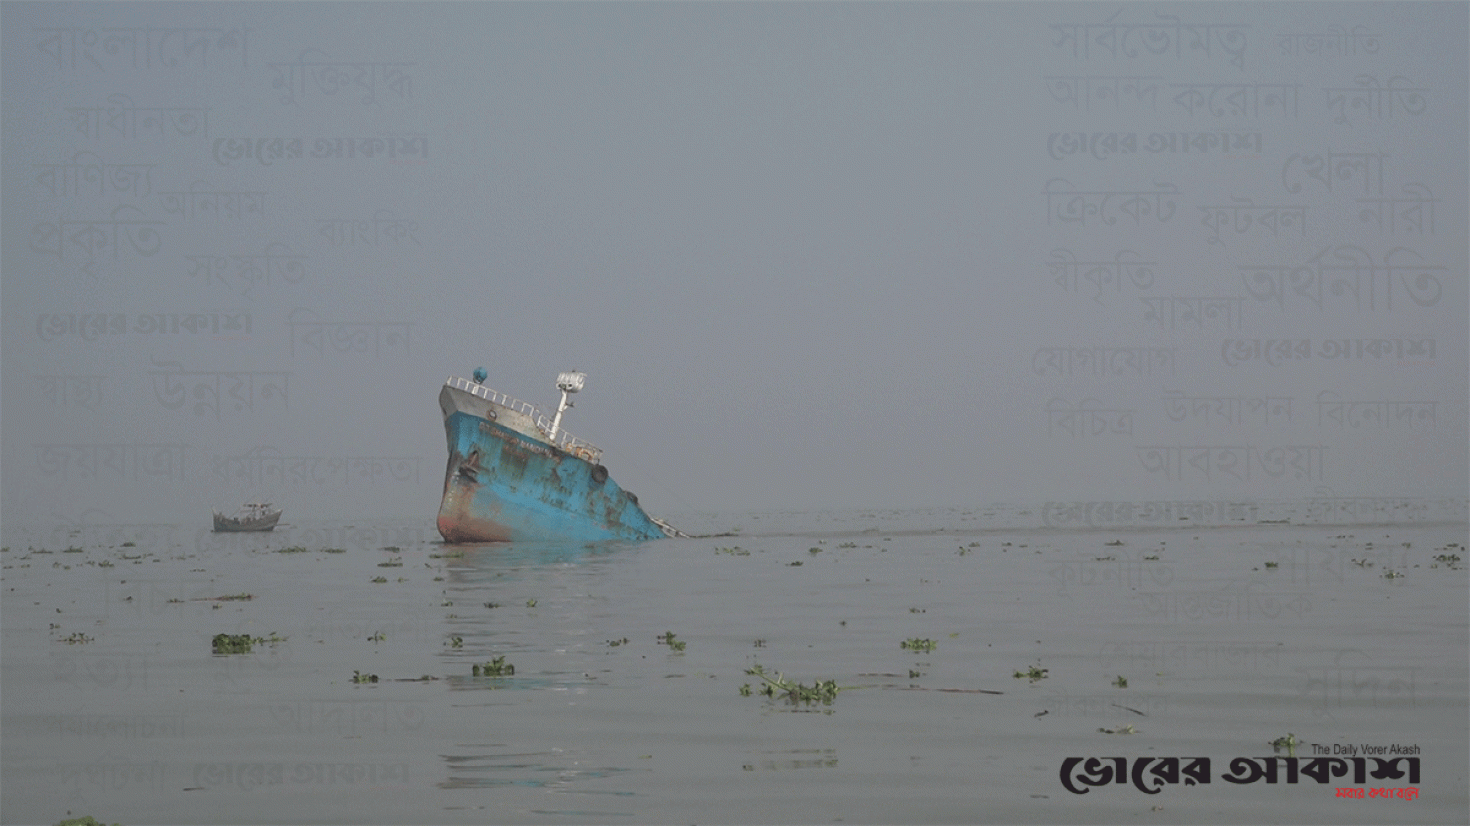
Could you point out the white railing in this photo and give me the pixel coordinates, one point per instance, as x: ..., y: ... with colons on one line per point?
x: 498, y: 398
x: 577, y: 447
x: 564, y: 440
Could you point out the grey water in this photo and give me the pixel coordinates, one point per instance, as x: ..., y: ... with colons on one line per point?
x: 631, y: 699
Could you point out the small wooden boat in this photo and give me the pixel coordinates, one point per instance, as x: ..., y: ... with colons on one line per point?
x: 255, y: 516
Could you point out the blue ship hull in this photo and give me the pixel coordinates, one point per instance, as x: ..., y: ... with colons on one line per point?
x: 503, y: 484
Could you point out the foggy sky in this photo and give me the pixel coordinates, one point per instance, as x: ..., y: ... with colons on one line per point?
x: 809, y: 255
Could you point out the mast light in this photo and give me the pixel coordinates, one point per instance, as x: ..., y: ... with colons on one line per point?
x: 569, y: 382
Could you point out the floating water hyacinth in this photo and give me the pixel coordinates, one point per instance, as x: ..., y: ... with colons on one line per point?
x: 1033, y: 673
x: 85, y: 820
x: 242, y: 643
x: 820, y: 691
x: 497, y: 667
x: 1289, y: 742
x: 232, y: 643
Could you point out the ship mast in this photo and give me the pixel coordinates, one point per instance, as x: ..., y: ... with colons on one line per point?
x: 566, y: 383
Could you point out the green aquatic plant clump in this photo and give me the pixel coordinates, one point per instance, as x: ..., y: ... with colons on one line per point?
x: 1289, y: 742
x: 232, y: 643
x: 916, y: 644
x: 497, y: 667
x: 1033, y: 673
x: 820, y: 691
x: 241, y: 643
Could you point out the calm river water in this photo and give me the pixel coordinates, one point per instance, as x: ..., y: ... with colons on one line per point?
x: 1195, y: 631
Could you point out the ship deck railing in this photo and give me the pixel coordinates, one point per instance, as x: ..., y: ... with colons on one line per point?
x: 490, y: 395
x: 564, y: 440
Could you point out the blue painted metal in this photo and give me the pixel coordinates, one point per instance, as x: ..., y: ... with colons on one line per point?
x: 502, y: 484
